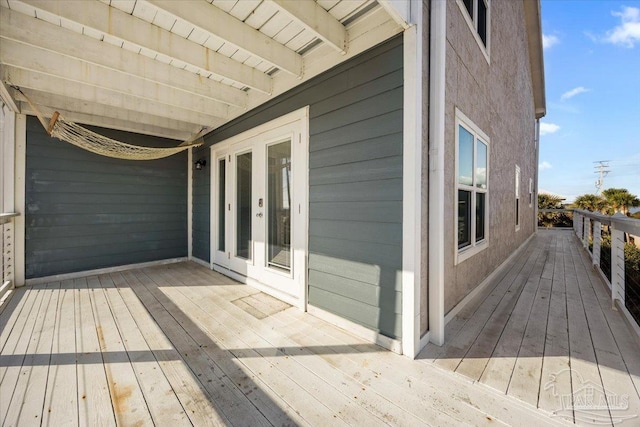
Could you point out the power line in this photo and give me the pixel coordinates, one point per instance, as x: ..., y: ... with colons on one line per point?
x: 601, y: 169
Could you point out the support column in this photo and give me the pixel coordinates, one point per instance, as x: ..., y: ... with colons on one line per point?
x: 20, y: 154
x: 411, y: 183
x: 437, y: 80
x: 617, y: 265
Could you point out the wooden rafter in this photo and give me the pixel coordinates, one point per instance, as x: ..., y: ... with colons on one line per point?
x: 114, y: 22
x: 317, y: 20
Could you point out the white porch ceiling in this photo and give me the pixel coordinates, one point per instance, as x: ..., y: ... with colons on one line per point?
x: 171, y: 68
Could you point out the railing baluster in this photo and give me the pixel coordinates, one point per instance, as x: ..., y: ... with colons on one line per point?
x: 597, y: 239
x: 617, y: 265
x: 585, y: 232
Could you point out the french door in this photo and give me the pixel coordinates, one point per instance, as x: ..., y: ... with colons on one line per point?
x: 259, y: 218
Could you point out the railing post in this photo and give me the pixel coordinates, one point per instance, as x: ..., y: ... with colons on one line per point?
x: 617, y: 265
x: 597, y: 238
x: 585, y: 232
x: 7, y: 253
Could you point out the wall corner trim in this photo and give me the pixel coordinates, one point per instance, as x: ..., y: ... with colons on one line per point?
x: 411, y: 184
x: 438, y: 45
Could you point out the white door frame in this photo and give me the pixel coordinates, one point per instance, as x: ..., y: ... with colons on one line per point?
x: 257, y: 275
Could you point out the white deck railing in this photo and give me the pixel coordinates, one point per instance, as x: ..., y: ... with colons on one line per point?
x: 605, y: 237
x: 8, y: 272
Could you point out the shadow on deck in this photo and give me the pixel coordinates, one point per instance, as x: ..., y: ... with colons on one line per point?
x: 179, y: 344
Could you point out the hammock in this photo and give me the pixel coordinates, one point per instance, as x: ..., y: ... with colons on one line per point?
x: 82, y: 137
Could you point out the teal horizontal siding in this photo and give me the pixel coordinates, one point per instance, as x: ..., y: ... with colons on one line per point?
x: 85, y: 211
x: 201, y: 206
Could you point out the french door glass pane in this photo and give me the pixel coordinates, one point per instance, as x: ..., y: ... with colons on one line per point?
x: 279, y: 187
x: 243, y: 205
x: 464, y: 218
x: 222, y: 204
x: 480, y: 215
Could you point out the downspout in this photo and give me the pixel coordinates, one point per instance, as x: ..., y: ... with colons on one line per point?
x: 437, y: 77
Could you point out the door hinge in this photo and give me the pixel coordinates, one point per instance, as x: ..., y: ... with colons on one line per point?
x: 299, y: 208
x: 229, y: 206
x: 229, y: 158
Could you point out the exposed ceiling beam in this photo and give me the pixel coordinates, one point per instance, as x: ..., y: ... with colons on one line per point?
x: 230, y: 29
x: 52, y: 102
x: 28, y: 57
x: 362, y: 35
x: 7, y: 98
x: 110, y: 123
x: 59, y: 86
x: 317, y: 20
x: 109, y: 20
x: 23, y: 28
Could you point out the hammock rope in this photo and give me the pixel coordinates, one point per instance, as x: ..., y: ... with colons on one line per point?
x: 86, y: 139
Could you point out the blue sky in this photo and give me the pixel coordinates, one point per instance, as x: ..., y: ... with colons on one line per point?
x: 592, y: 76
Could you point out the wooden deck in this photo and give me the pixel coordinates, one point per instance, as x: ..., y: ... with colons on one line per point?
x: 544, y: 333
x: 181, y: 345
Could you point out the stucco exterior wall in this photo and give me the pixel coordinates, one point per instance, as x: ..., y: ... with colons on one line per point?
x: 497, y: 96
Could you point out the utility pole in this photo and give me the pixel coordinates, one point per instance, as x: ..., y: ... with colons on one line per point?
x: 601, y: 169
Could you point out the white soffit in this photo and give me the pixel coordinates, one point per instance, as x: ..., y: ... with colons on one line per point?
x: 171, y: 68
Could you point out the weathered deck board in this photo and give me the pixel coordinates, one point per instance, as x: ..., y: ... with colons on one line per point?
x: 556, y: 346
x: 187, y: 353
x: 60, y: 402
x: 94, y: 401
x: 557, y: 338
x: 126, y: 394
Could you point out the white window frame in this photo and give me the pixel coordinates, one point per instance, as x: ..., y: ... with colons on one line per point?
x: 472, y: 22
x: 475, y: 247
x: 517, y: 194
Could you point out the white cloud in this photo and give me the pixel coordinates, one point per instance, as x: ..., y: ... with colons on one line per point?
x: 573, y: 92
x: 544, y: 165
x: 548, y: 128
x: 548, y: 41
x: 628, y: 32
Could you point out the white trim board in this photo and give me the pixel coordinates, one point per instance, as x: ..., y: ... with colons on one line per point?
x: 412, y: 188
x: 190, y: 203
x: 98, y: 271
x: 201, y: 262
x: 19, y: 224
x: 356, y: 329
x: 437, y: 82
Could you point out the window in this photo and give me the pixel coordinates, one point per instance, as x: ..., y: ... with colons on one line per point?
x: 472, y: 166
x: 476, y: 13
x: 530, y: 192
x: 517, y: 198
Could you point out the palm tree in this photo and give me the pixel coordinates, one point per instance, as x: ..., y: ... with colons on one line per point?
x: 590, y: 202
x: 620, y: 200
x: 548, y: 201
x: 552, y: 219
